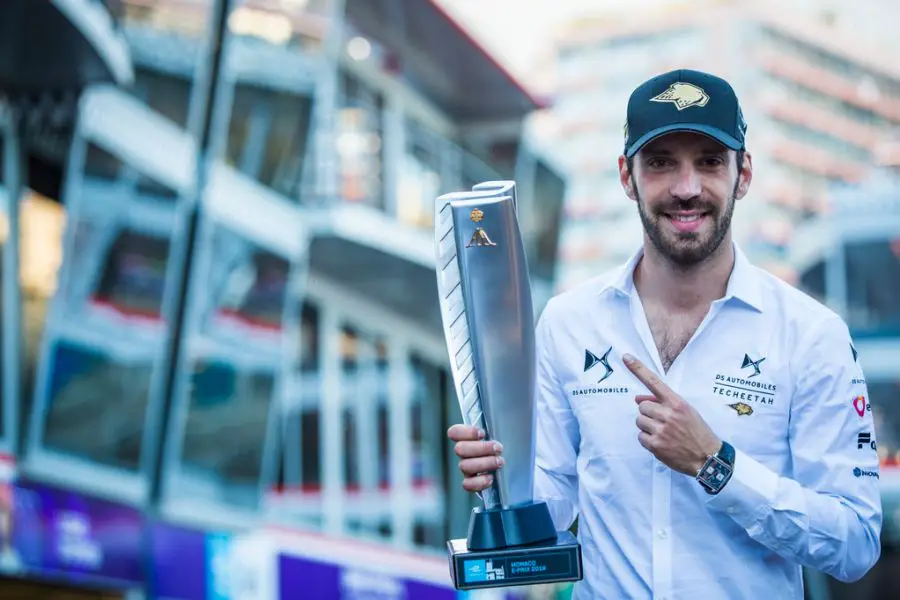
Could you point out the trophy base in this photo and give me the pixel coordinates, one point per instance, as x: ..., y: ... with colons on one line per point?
x: 550, y: 562
x: 515, y: 526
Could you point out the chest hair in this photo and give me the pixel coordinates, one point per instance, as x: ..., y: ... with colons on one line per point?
x: 671, y: 333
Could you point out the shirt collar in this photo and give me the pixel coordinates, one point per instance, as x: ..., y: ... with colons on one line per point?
x: 743, y: 284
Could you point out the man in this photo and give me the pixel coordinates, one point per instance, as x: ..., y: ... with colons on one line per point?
x: 708, y: 424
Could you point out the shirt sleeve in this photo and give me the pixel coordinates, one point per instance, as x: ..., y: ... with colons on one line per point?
x: 557, y: 435
x: 828, y: 515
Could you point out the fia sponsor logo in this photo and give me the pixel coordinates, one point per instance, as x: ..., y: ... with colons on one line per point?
x: 864, y: 440
x: 861, y: 405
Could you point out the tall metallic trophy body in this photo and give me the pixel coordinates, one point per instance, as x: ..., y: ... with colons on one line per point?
x: 488, y: 317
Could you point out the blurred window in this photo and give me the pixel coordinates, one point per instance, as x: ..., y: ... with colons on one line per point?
x: 419, y: 184
x: 360, y: 145
x: 830, y: 103
x: 268, y: 135
x: 368, y: 441
x: 547, y: 191
x: 226, y: 422
x: 309, y: 338
x: 812, y: 281
x: 246, y: 288
x: 815, y: 55
x: 101, y: 165
x: 166, y: 94
x: 97, y: 397
x: 311, y: 452
x: 873, y: 286
x: 97, y: 405
x: 134, y: 275
x: 822, y: 140
x: 885, y: 399
x: 228, y: 400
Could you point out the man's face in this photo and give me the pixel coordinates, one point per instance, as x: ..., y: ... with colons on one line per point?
x: 686, y: 186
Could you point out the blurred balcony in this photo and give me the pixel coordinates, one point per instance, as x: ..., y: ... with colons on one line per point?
x: 830, y: 84
x: 372, y: 163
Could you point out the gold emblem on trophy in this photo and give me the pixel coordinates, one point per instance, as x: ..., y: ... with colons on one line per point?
x: 479, y: 236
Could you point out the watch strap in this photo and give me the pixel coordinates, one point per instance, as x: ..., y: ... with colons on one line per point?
x: 727, y: 453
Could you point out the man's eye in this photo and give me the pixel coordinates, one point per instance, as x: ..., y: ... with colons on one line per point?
x: 656, y: 163
x: 713, y: 161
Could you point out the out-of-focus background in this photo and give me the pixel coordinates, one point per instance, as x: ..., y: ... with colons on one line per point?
x: 223, y: 372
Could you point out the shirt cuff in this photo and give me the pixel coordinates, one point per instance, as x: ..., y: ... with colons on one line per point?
x: 749, y: 494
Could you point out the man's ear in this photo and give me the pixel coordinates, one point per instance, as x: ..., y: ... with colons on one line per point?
x: 625, y: 178
x: 745, y: 176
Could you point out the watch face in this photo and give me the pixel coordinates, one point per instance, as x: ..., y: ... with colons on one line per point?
x: 714, y: 473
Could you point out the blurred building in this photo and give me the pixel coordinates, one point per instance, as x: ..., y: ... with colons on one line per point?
x: 818, y: 105
x: 231, y: 316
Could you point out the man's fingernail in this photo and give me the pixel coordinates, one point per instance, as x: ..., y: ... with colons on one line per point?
x: 481, y: 433
x: 628, y: 359
x: 498, y: 447
x: 500, y: 461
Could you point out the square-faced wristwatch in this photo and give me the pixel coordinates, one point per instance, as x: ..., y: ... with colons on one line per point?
x: 717, y: 469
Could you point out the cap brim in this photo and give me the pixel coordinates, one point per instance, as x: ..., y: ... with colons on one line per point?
x: 717, y: 134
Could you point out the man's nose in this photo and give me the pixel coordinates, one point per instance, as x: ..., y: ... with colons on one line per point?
x: 687, y: 185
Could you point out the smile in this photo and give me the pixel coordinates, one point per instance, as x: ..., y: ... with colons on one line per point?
x: 686, y: 221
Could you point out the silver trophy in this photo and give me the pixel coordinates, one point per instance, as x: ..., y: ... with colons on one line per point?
x: 488, y: 316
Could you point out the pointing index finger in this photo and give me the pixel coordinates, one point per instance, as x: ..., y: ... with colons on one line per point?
x: 646, y: 376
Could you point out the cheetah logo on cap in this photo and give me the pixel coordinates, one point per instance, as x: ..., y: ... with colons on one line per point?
x: 683, y: 95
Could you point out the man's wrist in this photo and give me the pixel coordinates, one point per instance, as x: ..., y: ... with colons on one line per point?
x: 711, y: 449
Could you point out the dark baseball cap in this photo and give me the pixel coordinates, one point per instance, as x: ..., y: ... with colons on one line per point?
x: 684, y: 100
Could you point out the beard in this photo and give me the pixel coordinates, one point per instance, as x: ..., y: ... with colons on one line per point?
x: 688, y: 248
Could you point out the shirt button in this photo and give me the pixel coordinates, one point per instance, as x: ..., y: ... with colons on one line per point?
x: 661, y: 533
x: 660, y: 468
x: 731, y: 510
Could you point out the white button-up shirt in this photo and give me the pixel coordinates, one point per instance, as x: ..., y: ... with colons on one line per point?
x: 774, y: 373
